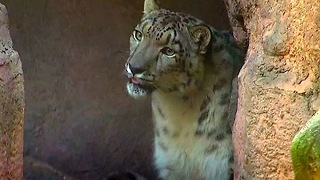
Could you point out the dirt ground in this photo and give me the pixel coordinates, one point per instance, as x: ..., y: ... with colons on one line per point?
x: 79, y: 120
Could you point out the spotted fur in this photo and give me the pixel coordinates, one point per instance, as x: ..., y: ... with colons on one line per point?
x: 187, y: 66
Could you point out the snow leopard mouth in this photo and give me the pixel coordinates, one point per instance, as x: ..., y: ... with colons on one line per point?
x: 137, y: 87
x: 141, y: 84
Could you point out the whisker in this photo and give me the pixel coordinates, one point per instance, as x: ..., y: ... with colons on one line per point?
x: 123, y: 56
x: 123, y: 51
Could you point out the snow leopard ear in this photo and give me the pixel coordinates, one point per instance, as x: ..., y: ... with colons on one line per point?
x: 201, y: 37
x: 149, y: 6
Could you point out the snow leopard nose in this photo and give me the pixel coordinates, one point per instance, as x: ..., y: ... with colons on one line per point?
x: 136, y: 70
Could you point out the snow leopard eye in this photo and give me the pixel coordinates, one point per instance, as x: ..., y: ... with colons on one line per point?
x: 168, y: 51
x: 137, y: 35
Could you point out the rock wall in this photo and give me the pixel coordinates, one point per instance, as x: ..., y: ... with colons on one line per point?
x: 11, y: 104
x: 278, y: 85
x: 79, y: 118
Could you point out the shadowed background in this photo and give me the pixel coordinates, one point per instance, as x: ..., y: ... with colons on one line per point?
x: 79, y: 119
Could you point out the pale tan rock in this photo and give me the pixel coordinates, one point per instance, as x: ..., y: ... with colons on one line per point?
x: 11, y: 105
x: 278, y: 85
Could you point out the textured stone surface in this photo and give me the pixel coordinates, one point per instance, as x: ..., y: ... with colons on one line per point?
x: 278, y: 85
x: 79, y: 118
x: 11, y: 105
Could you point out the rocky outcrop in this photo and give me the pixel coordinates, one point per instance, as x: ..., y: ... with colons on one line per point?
x: 11, y: 105
x: 278, y: 85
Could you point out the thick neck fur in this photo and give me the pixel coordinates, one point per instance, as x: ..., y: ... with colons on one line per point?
x: 204, y: 111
